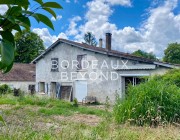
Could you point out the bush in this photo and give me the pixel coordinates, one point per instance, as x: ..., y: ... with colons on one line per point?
x: 154, y: 102
x: 18, y: 92
x: 172, y: 76
x: 4, y: 89
x: 75, y: 102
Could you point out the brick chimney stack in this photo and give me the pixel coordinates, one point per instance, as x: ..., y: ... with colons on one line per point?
x: 108, y: 41
x: 100, y: 42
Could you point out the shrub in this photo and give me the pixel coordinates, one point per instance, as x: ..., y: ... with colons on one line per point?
x: 154, y: 102
x: 75, y: 102
x: 18, y: 92
x: 4, y: 89
x: 172, y: 76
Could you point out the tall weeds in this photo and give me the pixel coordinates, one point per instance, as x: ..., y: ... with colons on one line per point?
x: 152, y: 103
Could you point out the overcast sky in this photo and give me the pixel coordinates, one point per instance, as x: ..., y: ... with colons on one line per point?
x: 148, y: 25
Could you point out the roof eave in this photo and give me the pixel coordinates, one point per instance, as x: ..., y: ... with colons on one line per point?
x: 166, y: 65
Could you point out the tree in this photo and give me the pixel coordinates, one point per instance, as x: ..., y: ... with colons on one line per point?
x: 28, y: 46
x: 144, y: 54
x: 17, y: 18
x: 172, y: 53
x: 90, y: 39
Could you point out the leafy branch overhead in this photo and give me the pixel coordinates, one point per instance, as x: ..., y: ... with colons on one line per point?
x: 17, y: 18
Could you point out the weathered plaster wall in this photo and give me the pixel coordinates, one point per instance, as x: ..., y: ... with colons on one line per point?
x: 99, y: 88
x: 16, y: 84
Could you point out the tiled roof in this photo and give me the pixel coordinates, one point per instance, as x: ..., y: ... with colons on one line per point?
x: 109, y: 52
x: 20, y: 72
x: 102, y: 50
x: 95, y: 49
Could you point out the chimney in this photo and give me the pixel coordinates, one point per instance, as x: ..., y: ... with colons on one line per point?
x: 100, y: 42
x: 108, y: 41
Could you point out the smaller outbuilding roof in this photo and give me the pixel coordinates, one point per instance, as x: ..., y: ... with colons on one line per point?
x: 20, y: 72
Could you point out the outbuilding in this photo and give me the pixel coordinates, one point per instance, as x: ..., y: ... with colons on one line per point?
x: 22, y: 76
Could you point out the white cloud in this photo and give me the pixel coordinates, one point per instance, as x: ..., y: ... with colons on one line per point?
x: 160, y: 28
x: 72, y: 26
x: 68, y: 1
x: 3, y: 9
x: 59, y: 17
x: 120, y: 2
x: 47, y: 37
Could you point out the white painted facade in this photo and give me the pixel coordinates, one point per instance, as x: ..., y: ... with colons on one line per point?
x: 99, y: 88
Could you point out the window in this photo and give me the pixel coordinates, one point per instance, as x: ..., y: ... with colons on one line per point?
x: 42, y: 87
x: 54, y: 65
x: 80, y: 59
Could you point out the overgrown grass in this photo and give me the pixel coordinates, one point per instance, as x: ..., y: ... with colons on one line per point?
x: 65, y: 108
x: 49, y: 106
x: 154, y: 102
x: 37, y: 118
x: 8, y: 99
x: 172, y: 77
x: 78, y: 131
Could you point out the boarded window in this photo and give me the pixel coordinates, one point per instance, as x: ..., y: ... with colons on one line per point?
x: 66, y: 93
x: 54, y: 65
x: 80, y: 59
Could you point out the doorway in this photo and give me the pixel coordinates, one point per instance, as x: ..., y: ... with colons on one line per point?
x: 132, y: 81
x: 53, y: 89
x: 80, y: 90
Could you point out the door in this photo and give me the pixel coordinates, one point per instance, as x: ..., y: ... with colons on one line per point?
x: 80, y: 90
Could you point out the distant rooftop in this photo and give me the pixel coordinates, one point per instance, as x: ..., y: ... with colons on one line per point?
x: 20, y: 72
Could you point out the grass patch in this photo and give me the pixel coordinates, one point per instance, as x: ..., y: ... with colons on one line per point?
x: 8, y: 99
x: 29, y: 119
x: 49, y: 106
x: 68, y: 109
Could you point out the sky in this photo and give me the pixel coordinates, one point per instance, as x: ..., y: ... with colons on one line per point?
x: 149, y: 25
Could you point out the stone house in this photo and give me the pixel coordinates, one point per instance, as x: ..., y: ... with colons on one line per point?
x: 69, y: 70
x: 22, y: 76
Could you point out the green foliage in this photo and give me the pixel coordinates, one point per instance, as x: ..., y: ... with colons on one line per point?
x: 172, y: 53
x: 16, y: 18
x: 152, y: 103
x: 6, y: 99
x: 90, y: 39
x: 28, y: 46
x: 75, y: 102
x: 172, y: 76
x: 141, y: 53
x: 4, y: 89
x: 2, y: 120
x: 19, y: 92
